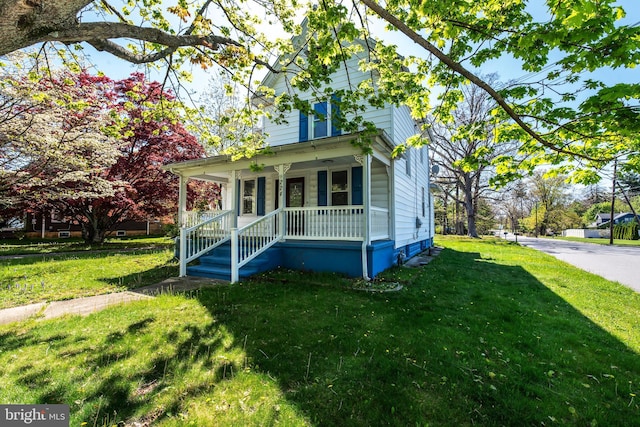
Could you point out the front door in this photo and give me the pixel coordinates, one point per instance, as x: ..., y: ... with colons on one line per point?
x: 295, y: 199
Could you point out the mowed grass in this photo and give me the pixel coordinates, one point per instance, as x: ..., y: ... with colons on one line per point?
x: 49, y: 246
x: 58, y: 277
x: 489, y: 333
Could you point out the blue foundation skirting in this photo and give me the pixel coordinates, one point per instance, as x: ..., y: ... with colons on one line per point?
x: 342, y: 257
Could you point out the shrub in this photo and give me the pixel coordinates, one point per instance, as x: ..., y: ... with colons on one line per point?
x: 626, y: 231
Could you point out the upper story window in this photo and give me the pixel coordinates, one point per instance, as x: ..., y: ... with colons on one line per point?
x: 321, y: 118
x: 323, y: 122
x: 407, y: 156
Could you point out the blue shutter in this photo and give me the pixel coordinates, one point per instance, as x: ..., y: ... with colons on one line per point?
x: 260, y: 208
x: 356, y: 185
x: 322, y: 188
x: 238, y: 194
x: 304, y: 127
x: 335, y: 115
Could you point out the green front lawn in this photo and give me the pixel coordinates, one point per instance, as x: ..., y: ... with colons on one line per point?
x: 49, y: 246
x: 54, y: 277
x: 489, y: 333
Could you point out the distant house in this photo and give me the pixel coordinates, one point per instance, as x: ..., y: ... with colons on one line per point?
x: 620, y: 218
x: 53, y: 225
x: 318, y: 203
x: 600, y: 218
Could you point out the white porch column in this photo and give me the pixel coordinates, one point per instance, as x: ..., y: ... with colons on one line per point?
x: 282, y: 170
x: 182, y: 209
x: 182, y: 200
x: 233, y: 197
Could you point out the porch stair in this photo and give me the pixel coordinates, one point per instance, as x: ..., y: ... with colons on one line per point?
x: 216, y: 264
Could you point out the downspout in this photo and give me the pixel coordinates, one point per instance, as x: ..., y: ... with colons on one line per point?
x: 366, y: 196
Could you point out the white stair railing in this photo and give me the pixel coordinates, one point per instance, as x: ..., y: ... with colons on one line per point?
x: 253, y: 239
x: 203, y: 237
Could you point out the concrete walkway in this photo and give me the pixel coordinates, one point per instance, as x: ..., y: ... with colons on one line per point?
x: 87, y: 305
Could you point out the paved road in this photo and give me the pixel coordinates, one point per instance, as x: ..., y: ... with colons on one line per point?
x: 616, y: 263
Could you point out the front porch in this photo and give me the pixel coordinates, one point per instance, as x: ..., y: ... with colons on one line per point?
x: 313, y: 194
x: 331, y: 238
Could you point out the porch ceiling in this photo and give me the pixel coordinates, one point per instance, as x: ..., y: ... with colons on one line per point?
x: 326, y: 152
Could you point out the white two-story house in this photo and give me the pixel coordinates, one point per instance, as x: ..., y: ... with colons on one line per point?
x: 318, y: 203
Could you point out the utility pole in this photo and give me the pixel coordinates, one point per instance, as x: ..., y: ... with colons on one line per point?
x: 536, y: 218
x: 613, y: 200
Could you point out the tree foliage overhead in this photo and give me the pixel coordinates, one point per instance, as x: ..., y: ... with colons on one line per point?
x: 565, y: 111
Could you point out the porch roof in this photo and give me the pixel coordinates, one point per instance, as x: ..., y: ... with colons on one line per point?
x: 217, y: 168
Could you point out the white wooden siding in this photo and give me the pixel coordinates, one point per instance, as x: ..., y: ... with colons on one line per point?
x: 408, y: 200
x: 288, y: 133
x: 379, y: 186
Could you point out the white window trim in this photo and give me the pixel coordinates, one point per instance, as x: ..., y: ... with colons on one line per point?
x: 348, y: 191
x: 253, y: 196
x: 312, y: 118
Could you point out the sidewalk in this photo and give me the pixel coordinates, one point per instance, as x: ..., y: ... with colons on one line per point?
x: 87, y: 305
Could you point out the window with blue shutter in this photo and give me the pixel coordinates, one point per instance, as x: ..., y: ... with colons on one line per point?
x: 260, y: 197
x: 322, y: 188
x: 303, y: 127
x: 335, y: 115
x: 356, y: 185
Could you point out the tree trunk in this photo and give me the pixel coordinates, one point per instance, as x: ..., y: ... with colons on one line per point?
x: 470, y: 207
x: 93, y: 231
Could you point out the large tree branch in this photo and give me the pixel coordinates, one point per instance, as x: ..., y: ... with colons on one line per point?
x: 458, y: 68
x: 102, y: 31
x: 29, y: 22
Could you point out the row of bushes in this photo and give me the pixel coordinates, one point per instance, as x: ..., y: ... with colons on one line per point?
x: 626, y: 231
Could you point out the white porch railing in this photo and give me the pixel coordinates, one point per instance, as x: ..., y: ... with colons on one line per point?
x: 379, y: 223
x: 325, y: 223
x: 253, y: 239
x: 201, y: 238
x: 193, y: 218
